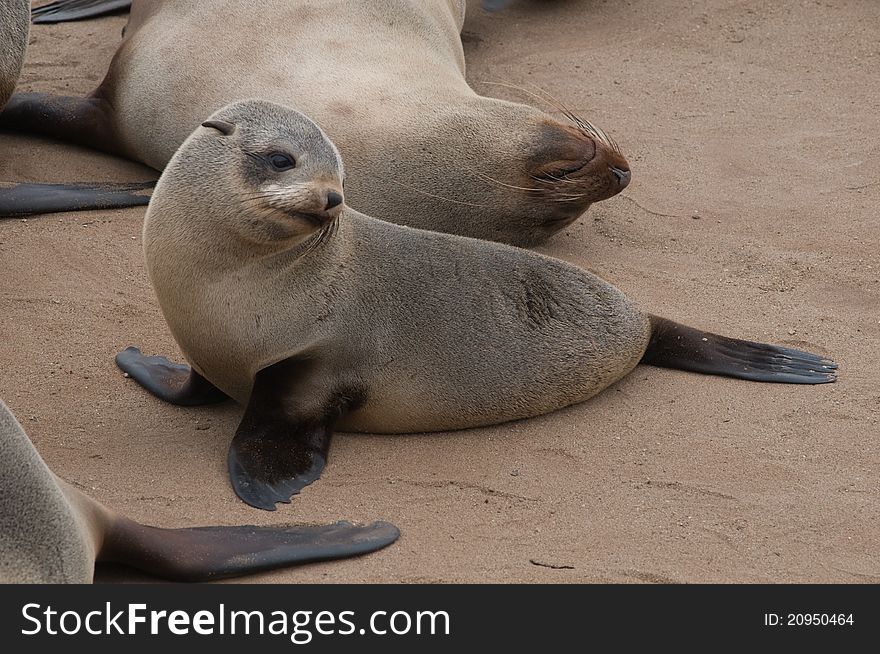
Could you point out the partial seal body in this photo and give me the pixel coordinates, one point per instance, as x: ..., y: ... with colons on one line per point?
x: 316, y: 316
x: 30, y: 198
x: 14, y: 24
x: 384, y: 78
x: 51, y: 533
x: 44, y: 538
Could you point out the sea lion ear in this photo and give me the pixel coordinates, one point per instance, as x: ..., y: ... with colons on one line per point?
x: 221, y: 126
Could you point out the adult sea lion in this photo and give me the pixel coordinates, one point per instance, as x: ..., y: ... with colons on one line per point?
x: 50, y: 532
x: 384, y: 78
x: 30, y: 198
x: 317, y: 316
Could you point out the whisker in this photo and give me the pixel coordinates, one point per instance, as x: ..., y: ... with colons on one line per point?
x: 583, y: 124
x: 517, y: 88
x: 548, y: 98
x: 571, y: 194
x: 552, y: 179
x: 500, y: 183
x: 552, y: 100
x: 286, y: 193
x: 320, y: 237
x: 436, y: 197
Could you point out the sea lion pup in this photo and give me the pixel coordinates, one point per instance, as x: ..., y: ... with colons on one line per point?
x: 26, y: 199
x: 52, y: 533
x: 385, y: 79
x: 316, y: 316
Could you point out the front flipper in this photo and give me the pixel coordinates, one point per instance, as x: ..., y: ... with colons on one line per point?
x: 677, y: 346
x: 282, y: 442
x: 173, y: 382
x: 29, y: 199
x: 66, y: 10
x: 208, y: 553
x: 272, y: 458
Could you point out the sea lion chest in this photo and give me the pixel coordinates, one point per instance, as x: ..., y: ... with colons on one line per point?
x: 232, y: 324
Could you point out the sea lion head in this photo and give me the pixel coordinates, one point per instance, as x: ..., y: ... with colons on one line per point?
x: 565, y: 168
x: 491, y: 169
x: 282, y: 178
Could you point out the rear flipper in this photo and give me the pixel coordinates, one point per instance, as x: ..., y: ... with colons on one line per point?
x: 65, y: 10
x: 676, y: 346
x: 208, y: 553
x: 84, y: 121
x: 29, y: 199
x: 173, y: 382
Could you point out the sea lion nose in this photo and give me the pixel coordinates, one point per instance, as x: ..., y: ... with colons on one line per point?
x: 623, y: 176
x: 334, y: 199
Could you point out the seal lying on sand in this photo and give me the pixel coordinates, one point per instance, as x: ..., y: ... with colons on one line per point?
x: 385, y: 79
x: 317, y: 316
x: 52, y: 533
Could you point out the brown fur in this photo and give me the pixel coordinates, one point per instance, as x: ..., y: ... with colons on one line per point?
x: 52, y: 533
x: 385, y: 78
x: 438, y: 331
x: 49, y: 531
x: 14, y: 24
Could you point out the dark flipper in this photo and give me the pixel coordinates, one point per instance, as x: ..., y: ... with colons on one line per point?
x: 207, y: 553
x: 676, y: 346
x: 65, y: 10
x: 173, y: 382
x: 495, y: 5
x: 84, y: 121
x: 28, y: 199
x: 271, y: 459
x: 281, y: 446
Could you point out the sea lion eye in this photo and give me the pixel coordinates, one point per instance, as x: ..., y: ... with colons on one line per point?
x: 281, y: 161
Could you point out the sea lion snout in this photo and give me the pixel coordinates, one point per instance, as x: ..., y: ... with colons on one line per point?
x: 561, y: 150
x: 330, y: 202
x: 334, y: 199
x: 623, y: 176
x: 320, y: 206
x: 578, y: 163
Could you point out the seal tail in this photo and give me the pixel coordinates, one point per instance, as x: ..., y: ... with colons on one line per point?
x: 208, y: 553
x: 28, y: 199
x: 62, y: 11
x: 684, y: 348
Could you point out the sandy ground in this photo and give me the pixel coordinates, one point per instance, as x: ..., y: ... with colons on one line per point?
x: 752, y: 131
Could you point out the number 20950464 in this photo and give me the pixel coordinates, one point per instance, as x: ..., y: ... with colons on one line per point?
x: 808, y: 619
